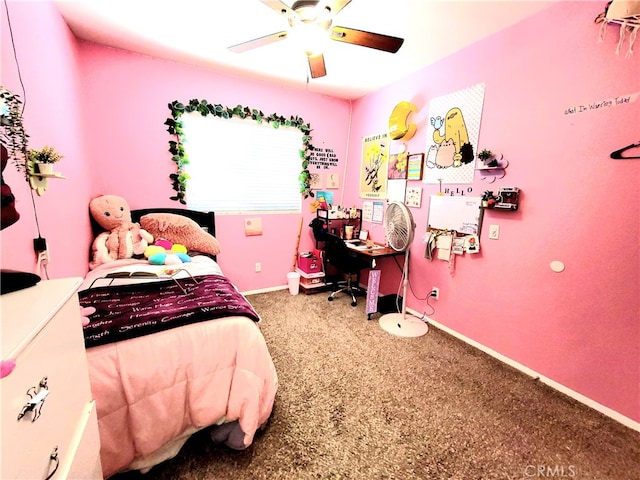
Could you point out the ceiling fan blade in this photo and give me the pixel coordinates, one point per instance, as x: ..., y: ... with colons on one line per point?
x: 258, y: 42
x: 316, y: 65
x: 280, y: 7
x: 377, y: 41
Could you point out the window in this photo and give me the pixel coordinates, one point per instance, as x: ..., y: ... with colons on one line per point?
x: 240, y: 165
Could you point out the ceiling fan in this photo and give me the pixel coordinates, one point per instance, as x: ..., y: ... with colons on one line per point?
x: 317, y: 16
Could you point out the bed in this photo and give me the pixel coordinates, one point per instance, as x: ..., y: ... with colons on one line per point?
x: 160, y: 378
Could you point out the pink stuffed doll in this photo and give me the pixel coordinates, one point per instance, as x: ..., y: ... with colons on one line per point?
x: 123, y: 238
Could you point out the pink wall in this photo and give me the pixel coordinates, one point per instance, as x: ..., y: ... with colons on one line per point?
x: 131, y: 143
x: 119, y: 144
x: 104, y: 109
x: 579, y: 327
x: 48, y: 64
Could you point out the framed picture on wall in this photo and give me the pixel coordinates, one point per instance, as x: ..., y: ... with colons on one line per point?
x: 333, y: 180
x: 315, y: 181
x: 397, y: 166
x: 413, y: 197
x: 414, y: 169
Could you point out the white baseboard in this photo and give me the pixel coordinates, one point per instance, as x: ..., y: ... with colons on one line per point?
x: 618, y: 417
x: 626, y: 421
x: 266, y: 290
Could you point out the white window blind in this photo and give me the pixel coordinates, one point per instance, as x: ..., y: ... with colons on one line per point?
x: 241, y: 166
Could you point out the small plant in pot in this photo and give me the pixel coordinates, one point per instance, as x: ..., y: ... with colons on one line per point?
x: 488, y: 200
x: 44, y: 159
x: 488, y: 158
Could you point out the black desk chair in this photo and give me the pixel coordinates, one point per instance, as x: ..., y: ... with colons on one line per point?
x: 347, y: 262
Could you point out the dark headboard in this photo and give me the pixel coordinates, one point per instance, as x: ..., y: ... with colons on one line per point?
x: 207, y: 220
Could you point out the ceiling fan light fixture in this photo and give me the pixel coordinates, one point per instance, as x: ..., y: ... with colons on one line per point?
x: 310, y: 36
x: 311, y: 30
x: 311, y: 10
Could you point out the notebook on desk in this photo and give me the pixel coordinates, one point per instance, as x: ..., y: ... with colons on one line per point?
x: 358, y: 245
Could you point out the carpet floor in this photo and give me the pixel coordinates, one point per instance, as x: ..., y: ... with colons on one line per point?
x: 355, y: 402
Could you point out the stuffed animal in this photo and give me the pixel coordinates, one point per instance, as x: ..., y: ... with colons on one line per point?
x: 122, y: 238
x: 164, y: 252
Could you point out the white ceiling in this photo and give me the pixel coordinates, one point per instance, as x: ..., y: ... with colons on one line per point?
x: 200, y: 32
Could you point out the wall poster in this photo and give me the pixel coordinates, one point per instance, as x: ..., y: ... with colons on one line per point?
x: 397, y: 165
x: 396, y: 190
x: 315, y: 181
x: 413, y: 197
x: 374, y: 167
x: 333, y: 180
x: 415, y: 162
x: 452, y: 136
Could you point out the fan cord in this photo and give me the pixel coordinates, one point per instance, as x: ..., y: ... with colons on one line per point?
x: 427, y: 297
x: 397, y: 215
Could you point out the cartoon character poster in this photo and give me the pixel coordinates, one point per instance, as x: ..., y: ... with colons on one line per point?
x: 452, y: 136
x: 375, y: 164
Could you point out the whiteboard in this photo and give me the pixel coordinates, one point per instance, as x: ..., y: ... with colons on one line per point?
x: 459, y: 213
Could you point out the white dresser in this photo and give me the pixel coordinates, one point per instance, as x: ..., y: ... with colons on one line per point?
x: 41, y: 330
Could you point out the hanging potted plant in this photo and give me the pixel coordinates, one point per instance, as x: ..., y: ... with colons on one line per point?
x: 12, y: 133
x: 44, y: 159
x: 488, y: 158
x: 488, y: 200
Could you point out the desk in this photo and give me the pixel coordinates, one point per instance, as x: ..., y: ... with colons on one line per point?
x: 370, y: 255
x: 378, y: 251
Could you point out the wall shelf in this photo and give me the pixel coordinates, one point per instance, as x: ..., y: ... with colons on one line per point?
x: 39, y: 181
x: 490, y: 174
x: 509, y: 199
x: 491, y: 168
x: 47, y: 175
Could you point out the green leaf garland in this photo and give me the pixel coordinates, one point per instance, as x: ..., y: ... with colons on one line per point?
x: 179, y: 157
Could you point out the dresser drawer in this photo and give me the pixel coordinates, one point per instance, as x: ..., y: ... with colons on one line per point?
x: 86, y: 464
x: 57, y: 353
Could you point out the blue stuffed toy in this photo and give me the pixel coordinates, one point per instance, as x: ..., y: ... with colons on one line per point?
x: 163, y: 252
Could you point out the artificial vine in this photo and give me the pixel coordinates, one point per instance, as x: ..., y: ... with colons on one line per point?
x: 178, y: 155
x: 12, y: 133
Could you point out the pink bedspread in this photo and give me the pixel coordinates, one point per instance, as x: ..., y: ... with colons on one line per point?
x: 152, y: 392
x: 153, y: 389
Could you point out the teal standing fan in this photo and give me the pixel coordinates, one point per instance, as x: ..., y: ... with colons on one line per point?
x: 399, y: 230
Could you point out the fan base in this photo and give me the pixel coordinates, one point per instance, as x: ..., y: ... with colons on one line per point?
x: 403, y: 325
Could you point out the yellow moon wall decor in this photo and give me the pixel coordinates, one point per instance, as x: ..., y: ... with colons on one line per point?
x: 398, y: 128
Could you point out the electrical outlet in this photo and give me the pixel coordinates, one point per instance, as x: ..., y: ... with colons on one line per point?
x: 43, y: 258
x: 435, y: 293
x: 258, y: 267
x: 494, y: 232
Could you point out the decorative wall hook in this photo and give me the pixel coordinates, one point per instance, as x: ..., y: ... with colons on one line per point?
x: 617, y: 155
